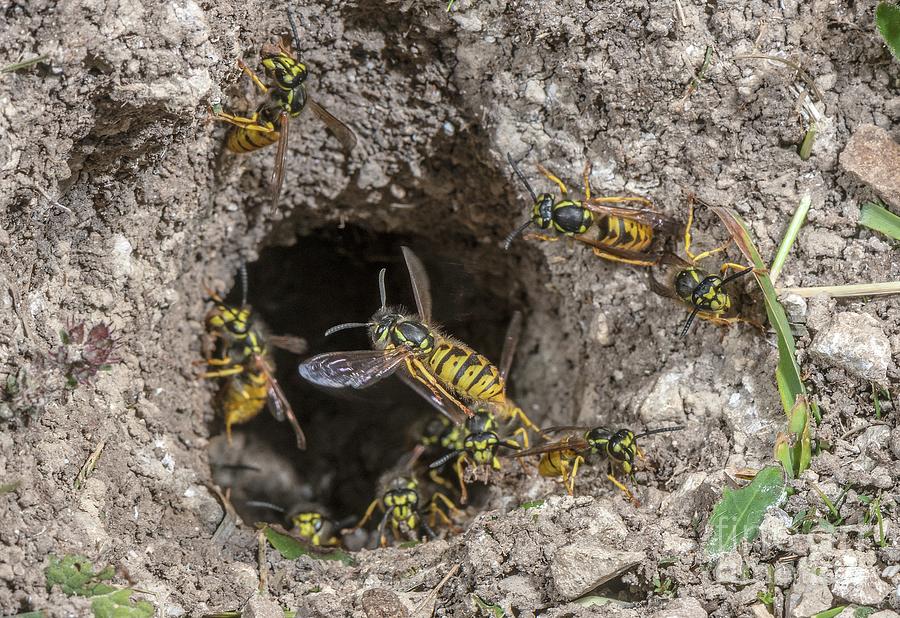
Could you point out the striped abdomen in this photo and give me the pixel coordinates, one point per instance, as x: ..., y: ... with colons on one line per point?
x: 244, y: 397
x: 247, y: 140
x: 556, y: 463
x: 624, y: 233
x: 466, y: 372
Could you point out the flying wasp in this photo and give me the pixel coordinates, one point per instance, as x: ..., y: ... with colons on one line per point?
x: 445, y: 371
x: 563, y: 457
x: 702, y: 293
x: 476, y: 452
x: 286, y: 98
x: 623, y: 234
x: 246, y: 363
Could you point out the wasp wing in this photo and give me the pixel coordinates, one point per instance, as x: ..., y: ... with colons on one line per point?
x: 289, y: 343
x: 357, y: 369
x: 570, y: 443
x: 513, y: 332
x: 559, y: 428
x: 278, y: 404
x: 646, y: 215
x: 440, y: 403
x: 278, y: 172
x: 342, y: 132
x: 420, y: 284
x: 633, y: 257
x: 669, y: 259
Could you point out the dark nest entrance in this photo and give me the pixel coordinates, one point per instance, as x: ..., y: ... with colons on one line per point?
x: 353, y: 436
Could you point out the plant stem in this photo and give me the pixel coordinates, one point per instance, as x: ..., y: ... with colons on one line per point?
x: 790, y: 236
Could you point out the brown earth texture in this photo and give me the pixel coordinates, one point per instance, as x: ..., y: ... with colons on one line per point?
x: 121, y: 207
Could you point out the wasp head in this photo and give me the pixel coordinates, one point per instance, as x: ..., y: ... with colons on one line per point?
x: 622, y: 447
x: 542, y: 211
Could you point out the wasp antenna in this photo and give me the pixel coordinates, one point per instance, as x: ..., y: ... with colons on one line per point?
x: 244, y: 285
x: 440, y: 462
x: 688, y: 322
x: 346, y: 326
x: 293, y: 23
x: 521, y: 176
x: 381, y: 288
x: 734, y: 276
x: 660, y: 430
x: 508, y: 240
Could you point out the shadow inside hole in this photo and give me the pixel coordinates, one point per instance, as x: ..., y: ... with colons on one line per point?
x: 354, y: 436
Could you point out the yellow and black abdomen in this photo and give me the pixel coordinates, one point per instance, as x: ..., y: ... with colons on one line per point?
x: 623, y: 233
x: 248, y: 139
x: 467, y: 372
x: 243, y: 398
x: 555, y: 463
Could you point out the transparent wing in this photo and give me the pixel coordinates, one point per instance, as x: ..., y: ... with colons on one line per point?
x: 513, y: 332
x: 441, y: 404
x: 278, y: 404
x: 420, y: 284
x: 560, y: 428
x: 358, y: 369
x: 633, y: 256
x: 345, y: 134
x: 289, y: 343
x: 570, y: 443
x: 646, y: 215
x: 278, y: 173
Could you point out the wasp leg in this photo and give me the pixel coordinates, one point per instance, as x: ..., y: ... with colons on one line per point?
x: 521, y: 431
x: 615, y: 258
x: 252, y: 75
x: 562, y: 187
x: 536, y: 236
x: 588, y: 167
x: 243, y: 122
x: 437, y: 512
x: 615, y: 200
x: 224, y: 373
x: 366, y: 517
x: 569, y: 477
x: 437, y: 479
x: 458, y: 466
x: 218, y: 362
x: 624, y: 489
x: 417, y: 371
x: 519, y: 415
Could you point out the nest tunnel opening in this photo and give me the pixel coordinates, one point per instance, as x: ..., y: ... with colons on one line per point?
x: 355, y: 437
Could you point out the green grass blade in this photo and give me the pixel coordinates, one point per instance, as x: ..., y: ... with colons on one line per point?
x: 739, y: 512
x: 292, y: 547
x: 887, y: 18
x: 842, y: 291
x: 878, y: 218
x: 787, y: 372
x: 790, y: 236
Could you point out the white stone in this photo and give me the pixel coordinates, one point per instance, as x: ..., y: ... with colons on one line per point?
x: 856, y: 343
x: 859, y: 584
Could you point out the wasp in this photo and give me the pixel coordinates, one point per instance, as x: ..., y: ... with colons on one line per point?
x: 286, y: 98
x: 563, y: 457
x: 443, y: 370
x: 476, y: 451
x: 704, y: 294
x: 403, y: 506
x: 314, y: 527
x: 622, y: 233
x: 246, y: 363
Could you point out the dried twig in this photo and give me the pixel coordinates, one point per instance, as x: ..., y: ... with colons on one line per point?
x: 806, y: 77
x: 89, y: 465
x: 9, y: 68
x: 229, y: 522
x: 434, y: 592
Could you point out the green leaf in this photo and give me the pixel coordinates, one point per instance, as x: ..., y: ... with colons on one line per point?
x: 119, y: 604
x: 292, y: 548
x: 532, y: 505
x: 887, y: 17
x: 5, y: 488
x: 75, y: 575
x: 830, y: 613
x: 740, y: 511
x: 878, y: 218
x: 496, y: 609
x: 37, y: 614
x: 795, y: 450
